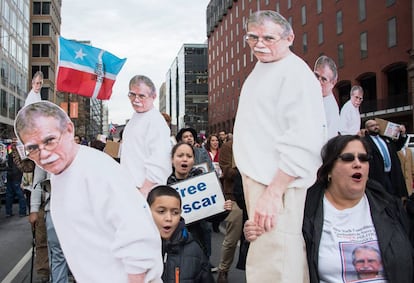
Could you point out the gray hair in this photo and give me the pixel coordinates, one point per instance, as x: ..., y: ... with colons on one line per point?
x: 260, y: 17
x: 356, y: 88
x: 140, y: 79
x: 327, y: 61
x: 27, y: 116
x: 365, y: 248
x: 37, y: 74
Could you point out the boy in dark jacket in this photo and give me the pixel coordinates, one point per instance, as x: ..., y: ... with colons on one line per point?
x: 184, y: 260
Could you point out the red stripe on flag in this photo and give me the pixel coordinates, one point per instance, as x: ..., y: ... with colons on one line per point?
x: 82, y: 83
x: 106, y: 89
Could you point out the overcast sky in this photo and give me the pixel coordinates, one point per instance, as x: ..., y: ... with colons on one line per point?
x: 148, y: 33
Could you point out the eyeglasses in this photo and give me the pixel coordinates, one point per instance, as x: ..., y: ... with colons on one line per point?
x: 321, y: 78
x: 134, y: 95
x: 349, y: 157
x: 267, y: 40
x: 48, y: 144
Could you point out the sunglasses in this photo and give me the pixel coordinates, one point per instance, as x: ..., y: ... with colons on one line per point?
x: 349, y: 157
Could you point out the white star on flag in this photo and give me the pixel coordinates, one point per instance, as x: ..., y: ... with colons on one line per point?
x: 80, y: 54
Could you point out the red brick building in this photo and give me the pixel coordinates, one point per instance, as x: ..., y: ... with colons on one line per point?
x: 370, y: 41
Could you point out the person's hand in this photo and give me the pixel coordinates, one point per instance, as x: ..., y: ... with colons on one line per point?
x: 144, y: 192
x: 228, y: 205
x: 33, y: 216
x: 267, y: 209
x: 146, y: 187
x: 252, y: 231
x: 136, y: 278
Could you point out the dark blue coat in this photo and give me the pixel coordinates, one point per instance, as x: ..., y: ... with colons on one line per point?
x: 183, y: 255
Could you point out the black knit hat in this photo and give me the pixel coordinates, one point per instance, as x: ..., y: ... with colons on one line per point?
x: 183, y: 130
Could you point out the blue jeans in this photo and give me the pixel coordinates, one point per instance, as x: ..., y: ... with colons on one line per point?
x: 57, y: 262
x: 13, y: 189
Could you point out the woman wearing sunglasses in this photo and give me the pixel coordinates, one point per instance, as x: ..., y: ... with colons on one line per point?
x: 354, y: 230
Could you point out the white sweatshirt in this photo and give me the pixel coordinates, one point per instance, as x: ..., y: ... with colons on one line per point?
x: 350, y: 119
x: 280, y: 122
x: 103, y: 223
x: 146, y: 148
x: 32, y: 97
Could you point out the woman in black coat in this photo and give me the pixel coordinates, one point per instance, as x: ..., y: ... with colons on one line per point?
x: 354, y: 229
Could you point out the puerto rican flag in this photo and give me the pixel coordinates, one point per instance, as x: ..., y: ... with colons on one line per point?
x: 86, y: 70
x: 112, y: 128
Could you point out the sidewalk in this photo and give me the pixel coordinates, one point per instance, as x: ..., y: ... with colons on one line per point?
x: 235, y: 275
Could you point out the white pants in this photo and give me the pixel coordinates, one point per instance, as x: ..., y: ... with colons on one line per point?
x: 278, y: 255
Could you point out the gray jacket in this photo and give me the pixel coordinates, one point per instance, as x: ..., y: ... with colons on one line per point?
x: 40, y: 190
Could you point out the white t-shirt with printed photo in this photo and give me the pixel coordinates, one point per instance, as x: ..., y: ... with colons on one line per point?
x: 344, y: 233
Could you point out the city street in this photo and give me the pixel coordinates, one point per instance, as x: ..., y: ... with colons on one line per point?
x: 15, y: 247
x: 16, y: 250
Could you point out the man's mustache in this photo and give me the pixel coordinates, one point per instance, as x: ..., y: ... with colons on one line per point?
x: 262, y: 50
x: 50, y: 159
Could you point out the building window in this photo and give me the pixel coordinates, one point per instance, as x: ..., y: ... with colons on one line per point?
x: 45, y: 50
x: 362, y: 10
x: 277, y: 7
x: 37, y: 8
x: 392, y: 32
x: 35, y: 69
x: 320, y: 33
x: 341, y: 55
x: 41, y: 8
x: 305, y: 42
x: 289, y: 4
x: 303, y: 15
x: 36, y: 50
x: 44, y: 69
x: 12, y: 106
x: 3, y: 103
x: 364, y: 45
x: 46, y: 29
x: 40, y: 50
x: 44, y: 93
x: 46, y: 8
x: 36, y: 29
x: 339, y: 22
x: 41, y: 29
x: 318, y: 6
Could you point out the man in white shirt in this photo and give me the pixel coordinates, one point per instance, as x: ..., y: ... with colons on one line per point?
x: 350, y: 118
x: 34, y: 94
x: 326, y: 72
x: 39, y: 217
x: 103, y: 223
x: 281, y: 102
x: 146, y: 145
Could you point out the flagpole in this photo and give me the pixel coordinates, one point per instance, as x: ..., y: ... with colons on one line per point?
x: 56, y: 67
